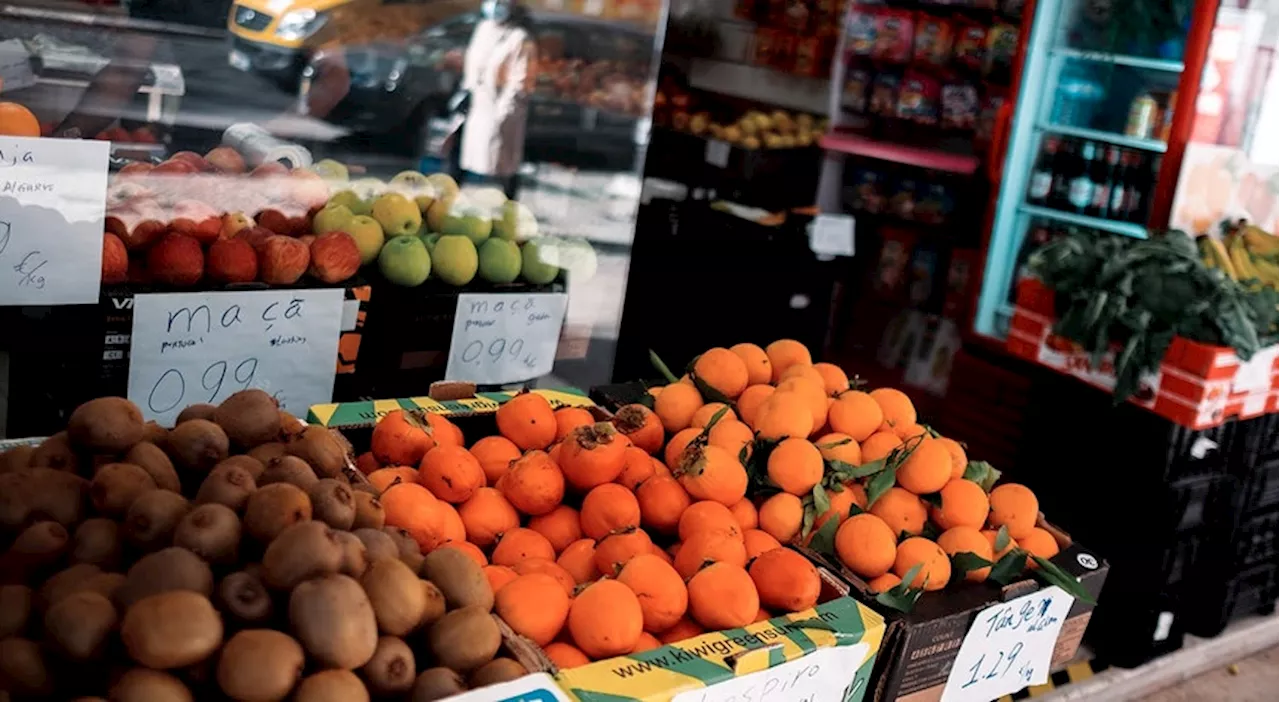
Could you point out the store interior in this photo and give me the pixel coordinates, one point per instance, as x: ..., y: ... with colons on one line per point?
x: 700, y: 342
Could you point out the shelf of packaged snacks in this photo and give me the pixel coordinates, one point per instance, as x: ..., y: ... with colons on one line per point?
x: 1154, y: 145
x: 1150, y: 64
x: 1136, y: 231
x: 934, y: 159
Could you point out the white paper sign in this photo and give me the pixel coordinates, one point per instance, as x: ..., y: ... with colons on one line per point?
x: 538, y: 687
x: 717, y: 153
x: 201, y: 347
x: 822, y: 676
x: 505, y: 337
x: 1008, y: 647
x: 53, y: 195
x: 832, y: 234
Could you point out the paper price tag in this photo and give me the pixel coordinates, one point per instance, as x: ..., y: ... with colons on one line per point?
x: 538, y: 687
x: 53, y: 196
x: 202, y: 347
x: 717, y: 153
x: 821, y: 676
x: 505, y: 337
x: 1008, y: 647
x: 832, y: 234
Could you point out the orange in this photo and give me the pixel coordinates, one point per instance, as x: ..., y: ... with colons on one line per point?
x: 561, y: 526
x: 619, y: 547
x: 896, y: 406
x: 486, y: 515
x: 637, y: 467
x: 570, y: 418
x: 451, y: 473
x: 866, y: 545
x: 520, y: 543
x: 712, y: 473
x: 901, y: 510
x: 963, y: 504
x: 498, y: 576
x: 756, y: 361
x: 528, y: 420
x: 834, y: 379
x: 579, y: 560
x: 703, y: 416
x: 723, y: 596
x: 684, y: 629
x: 751, y: 400
x: 606, y: 620
x: 842, y: 501
x: 659, y: 588
x: 1038, y: 542
x: 964, y: 539
x: 565, y: 656
x: 909, y: 431
x: 936, y: 567
x: 785, y: 353
x: 495, y: 454
x: 959, y: 461
x: 806, y: 372
x: 546, y: 567
x: 608, y: 508
x: 723, y: 370
x: 857, y: 414
x: 785, y: 580
x: 757, y: 542
x: 781, y: 516
x: 745, y: 513
x: 839, y: 447
x: 592, y: 455
x: 879, y: 445
x: 662, y: 501
x: 927, y: 468
x: 639, y: 424
x: 730, y: 435
x: 784, y: 414
x: 675, y: 448
x: 706, y: 516
x: 795, y: 465
x: 534, y: 485
x: 814, y: 398
x: 709, y: 547
x: 991, y: 536
x: 1016, y: 507
x: 16, y: 120
x: 884, y: 583
x: 534, y: 605
x: 676, y: 405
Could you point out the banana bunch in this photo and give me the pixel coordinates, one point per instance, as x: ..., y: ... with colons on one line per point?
x: 1255, y: 256
x: 1214, y: 255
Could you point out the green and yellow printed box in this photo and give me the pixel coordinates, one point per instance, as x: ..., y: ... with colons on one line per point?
x: 366, y: 413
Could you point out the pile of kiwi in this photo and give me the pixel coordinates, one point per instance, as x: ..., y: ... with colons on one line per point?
x: 234, y: 556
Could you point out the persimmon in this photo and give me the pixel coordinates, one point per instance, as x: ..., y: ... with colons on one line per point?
x: 565, y: 656
x: 579, y: 560
x: 795, y: 465
x: 784, y: 414
x: 486, y: 515
x: 518, y: 544
x: 676, y: 406
x: 901, y: 510
x: 866, y: 545
x: 444, y: 431
x: 495, y: 454
x: 935, y: 569
x: 879, y: 445
x: 712, y: 473
x: 528, y: 421
x: 561, y: 526
x: 674, y: 450
x: 662, y: 500
x: 731, y: 435
x: 646, y: 642
x: 896, y: 406
x: 744, y: 511
x: 366, y: 463
x: 706, y: 515
x: 750, y: 402
x: 856, y: 414
x: 684, y: 629
x: 959, y: 461
x: 963, y: 504
x: 966, y: 539
x: 605, y: 619
x: 498, y: 576
x: 785, y: 353
x: 1014, y: 506
x: 639, y: 424
x: 756, y: 361
x: 607, y: 508
x: 839, y: 447
x: 762, y: 615
x: 570, y: 418
x: 705, y: 413
x: 534, y: 606
x: 781, y: 516
x: 661, y: 553
x: 384, y: 478
x: 842, y: 502
x: 723, y: 596
x: 451, y: 473
x: 411, y: 507
x: 884, y: 583
x: 534, y: 484
x: 722, y: 370
x: 637, y: 467
x: 927, y: 468
x: 450, y: 521
x: 547, y: 567
x: 757, y: 541
x: 616, y: 549
x: 401, y: 438
x: 592, y: 455
x: 658, y: 587
x: 1038, y: 542
x: 834, y: 379
x: 473, y: 552
x: 709, y: 547
x: 785, y: 580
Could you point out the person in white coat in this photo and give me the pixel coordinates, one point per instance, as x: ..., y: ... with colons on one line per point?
x: 498, y: 73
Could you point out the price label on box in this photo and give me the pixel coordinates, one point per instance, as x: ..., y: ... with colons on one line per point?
x: 717, y: 153
x: 505, y: 337
x: 832, y: 234
x: 202, y: 347
x: 53, y: 195
x: 821, y: 676
x: 1009, y: 647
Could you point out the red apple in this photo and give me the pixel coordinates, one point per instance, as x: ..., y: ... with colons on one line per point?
x: 175, y: 166
x: 115, y: 259
x: 226, y: 160
x: 270, y: 169
x: 135, y: 168
x: 233, y: 223
x: 197, y: 220
x: 196, y: 160
x: 256, y: 236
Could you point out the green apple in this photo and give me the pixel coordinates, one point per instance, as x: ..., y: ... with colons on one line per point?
x: 578, y: 259
x: 405, y: 261
x: 368, y: 235
x: 515, y: 222
x: 430, y: 239
x: 416, y: 186
x: 499, y: 261
x: 471, y: 225
x: 330, y: 169
x: 541, y: 260
x: 398, y: 215
x: 333, y: 218
x: 352, y: 201
x: 456, y: 259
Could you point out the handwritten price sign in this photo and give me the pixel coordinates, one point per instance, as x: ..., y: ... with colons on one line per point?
x: 53, y: 196
x: 189, y: 348
x: 1009, y: 647
x: 505, y: 337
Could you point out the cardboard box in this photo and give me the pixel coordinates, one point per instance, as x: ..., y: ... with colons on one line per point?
x: 1197, y: 385
x: 920, y: 646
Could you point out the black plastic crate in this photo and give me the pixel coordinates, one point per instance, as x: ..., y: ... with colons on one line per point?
x: 1128, y: 629
x: 1256, y: 541
x: 1260, y: 488
x: 1251, y: 592
x: 1257, y: 441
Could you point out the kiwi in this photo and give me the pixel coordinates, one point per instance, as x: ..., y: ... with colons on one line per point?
x: 210, y: 531
x: 116, y: 486
x: 260, y: 664
x: 437, y: 684
x: 16, y: 458
x: 79, y: 625
x: 146, y: 685
x: 166, y: 570
x: 435, y: 603
x: 334, y: 619
x: 331, y: 686
x: 251, y: 465
x: 65, y: 582
x: 249, y: 417
x: 55, y: 452
x: 290, y: 426
x: 304, y: 550
x: 410, y: 552
x: 37, y: 494
x: 198, y: 411
x: 227, y: 484
x: 15, y: 609
x: 22, y: 668
x: 156, y: 434
x: 197, y: 445
x: 377, y: 544
x: 273, y: 508
x: 392, y: 668
x: 151, y: 519
x: 96, y: 541
x: 40, y: 544
x: 498, y: 670
x: 106, y: 425
x: 464, y: 639
x: 245, y: 599
x: 156, y: 462
x: 105, y: 584
x: 461, y: 579
x: 369, y: 512
x: 171, y: 629
x: 396, y: 594
x: 265, y: 452
x: 333, y: 503
x: 289, y: 469
x: 321, y: 448
x: 354, y: 562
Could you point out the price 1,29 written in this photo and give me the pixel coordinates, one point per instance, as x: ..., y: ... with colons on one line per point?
x: 219, y: 379
x: 497, y: 351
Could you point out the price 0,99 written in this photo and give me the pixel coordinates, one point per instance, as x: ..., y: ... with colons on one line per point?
x: 219, y: 379
x: 497, y: 351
